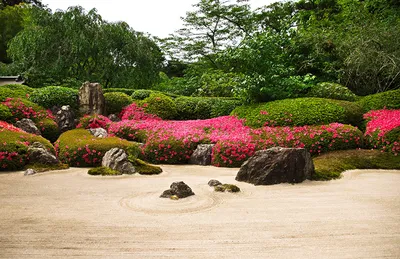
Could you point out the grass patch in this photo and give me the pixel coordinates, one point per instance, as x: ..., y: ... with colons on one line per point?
x: 331, y: 165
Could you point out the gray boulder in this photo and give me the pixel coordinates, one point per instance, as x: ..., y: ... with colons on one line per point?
x: 117, y: 159
x: 179, y: 189
x: 114, y: 118
x: 214, y: 182
x: 28, y: 125
x: 202, y: 155
x: 91, y: 99
x: 39, y: 154
x: 65, y: 118
x: 99, y: 132
x: 277, y: 165
x: 29, y: 171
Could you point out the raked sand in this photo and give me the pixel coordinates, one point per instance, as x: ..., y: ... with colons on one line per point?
x: 69, y: 214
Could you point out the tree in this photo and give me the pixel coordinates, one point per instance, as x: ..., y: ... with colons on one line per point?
x: 80, y: 46
x: 5, y: 3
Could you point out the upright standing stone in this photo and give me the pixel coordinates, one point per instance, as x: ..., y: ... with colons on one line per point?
x: 277, y: 165
x: 65, y: 118
x: 91, y: 99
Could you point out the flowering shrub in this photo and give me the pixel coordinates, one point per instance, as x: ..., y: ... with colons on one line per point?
x: 94, y: 121
x: 21, y: 108
x: 135, y: 112
x: 383, y: 130
x: 80, y: 148
x: 14, y: 146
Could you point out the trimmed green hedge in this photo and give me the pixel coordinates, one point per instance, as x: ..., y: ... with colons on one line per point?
x: 332, y: 91
x: 300, y: 111
x: 388, y: 100
x: 115, y: 101
x: 142, y: 94
x: 80, y: 148
x: 14, y: 148
x: 193, y: 108
x: 55, y: 96
x: 14, y: 91
x: 119, y: 90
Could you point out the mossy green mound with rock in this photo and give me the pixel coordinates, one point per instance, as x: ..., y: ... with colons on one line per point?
x: 80, y: 148
x: 330, y: 165
x: 104, y: 171
x: 226, y: 188
x: 44, y: 168
x: 145, y: 168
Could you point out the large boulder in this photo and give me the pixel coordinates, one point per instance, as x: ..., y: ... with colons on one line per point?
x: 91, y: 99
x: 277, y: 165
x: 39, y: 154
x: 179, y: 189
x: 99, y: 132
x: 202, y: 155
x: 65, y: 118
x: 28, y: 125
x: 117, y: 159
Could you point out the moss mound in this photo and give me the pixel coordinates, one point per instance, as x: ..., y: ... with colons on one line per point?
x: 300, y: 112
x: 80, y: 148
x: 145, y: 168
x: 388, y: 100
x: 44, y: 168
x: 331, y: 165
x: 103, y: 170
x: 226, y: 187
x: 49, y: 129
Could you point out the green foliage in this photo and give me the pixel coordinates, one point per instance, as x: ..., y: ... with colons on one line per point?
x: 79, y: 148
x: 74, y: 45
x: 332, y: 91
x: 127, y: 91
x: 388, y: 100
x: 14, y: 148
x: 192, y: 108
x: 49, y: 129
x: 102, y: 170
x: 160, y: 105
x: 14, y: 91
x: 5, y: 113
x: 142, y: 94
x: 44, y: 167
x: 22, y: 108
x: 299, y: 112
x: 144, y: 168
x: 115, y: 101
x: 331, y: 165
x: 55, y: 96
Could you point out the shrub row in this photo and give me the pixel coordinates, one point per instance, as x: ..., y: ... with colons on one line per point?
x: 299, y: 112
x: 14, y: 91
x: 55, y: 96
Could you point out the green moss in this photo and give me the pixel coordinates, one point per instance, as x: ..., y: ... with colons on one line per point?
x: 44, y: 168
x: 115, y: 101
x: 80, y: 148
x: 145, y: 168
x: 226, y: 187
x: 103, y: 171
x: 300, y: 112
x: 49, y: 129
x: 388, y: 100
x: 5, y: 113
x: 331, y: 165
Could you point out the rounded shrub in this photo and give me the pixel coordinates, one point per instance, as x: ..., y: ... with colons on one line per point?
x: 49, y: 129
x: 80, y: 148
x: 5, y: 113
x: 14, y: 146
x: 332, y: 91
x: 55, y: 96
x: 14, y: 91
x: 22, y: 108
x: 388, y: 100
x: 160, y: 105
x: 141, y: 94
x: 116, y: 101
x: 299, y: 112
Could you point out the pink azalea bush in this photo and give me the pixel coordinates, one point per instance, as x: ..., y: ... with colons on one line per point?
x: 135, y: 112
x: 6, y: 126
x: 383, y: 130
x: 21, y: 108
x: 175, y: 141
x: 93, y: 122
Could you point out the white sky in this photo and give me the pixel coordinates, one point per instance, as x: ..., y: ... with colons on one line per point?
x: 157, y: 17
